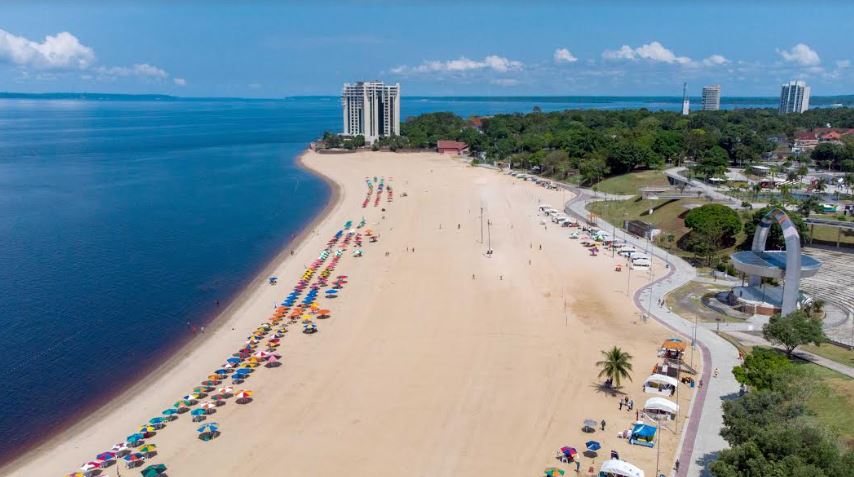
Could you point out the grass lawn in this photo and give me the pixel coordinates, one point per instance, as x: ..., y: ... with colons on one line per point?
x: 829, y: 235
x: 833, y: 403
x: 832, y: 352
x: 628, y: 184
x: 832, y: 400
x: 685, y: 301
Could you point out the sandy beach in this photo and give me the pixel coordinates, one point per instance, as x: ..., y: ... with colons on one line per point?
x: 438, y: 360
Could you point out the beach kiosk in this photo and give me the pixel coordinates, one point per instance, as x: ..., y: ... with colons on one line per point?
x: 643, y: 435
x: 660, y: 408
x: 619, y: 468
x: 672, y: 349
x: 660, y: 384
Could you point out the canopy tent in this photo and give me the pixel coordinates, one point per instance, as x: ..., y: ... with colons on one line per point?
x: 643, y: 435
x: 673, y: 348
x: 619, y: 468
x: 659, y: 405
x: 661, y: 384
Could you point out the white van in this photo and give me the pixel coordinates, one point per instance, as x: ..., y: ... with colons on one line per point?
x: 625, y: 250
x: 642, y: 264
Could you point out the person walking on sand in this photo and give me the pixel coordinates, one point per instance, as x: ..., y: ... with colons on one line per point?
x: 621, y: 404
x: 577, y: 466
x: 603, y: 424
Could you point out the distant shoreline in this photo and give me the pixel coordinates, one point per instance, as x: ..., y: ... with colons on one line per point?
x: 845, y: 99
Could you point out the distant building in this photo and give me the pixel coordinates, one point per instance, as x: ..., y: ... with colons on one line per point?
x: 686, y: 104
x: 806, y: 141
x: 452, y: 147
x: 794, y: 97
x: 712, y: 97
x: 371, y: 109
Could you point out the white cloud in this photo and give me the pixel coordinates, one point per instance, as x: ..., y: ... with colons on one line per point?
x: 843, y: 63
x: 62, y: 51
x: 801, y: 54
x: 562, y: 55
x: 141, y: 70
x: 491, y: 62
x: 504, y: 82
x: 655, y: 52
x: 715, y: 60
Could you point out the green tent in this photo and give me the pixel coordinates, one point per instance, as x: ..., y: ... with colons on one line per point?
x: 153, y: 470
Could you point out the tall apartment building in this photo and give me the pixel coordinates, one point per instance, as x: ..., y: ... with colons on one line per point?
x: 371, y: 109
x: 712, y: 97
x: 794, y: 97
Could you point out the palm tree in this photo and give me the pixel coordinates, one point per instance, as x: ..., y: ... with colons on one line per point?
x: 616, y: 365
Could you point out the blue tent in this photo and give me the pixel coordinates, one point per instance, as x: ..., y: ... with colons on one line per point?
x: 643, y: 435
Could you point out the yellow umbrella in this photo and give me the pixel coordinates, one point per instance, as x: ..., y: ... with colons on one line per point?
x: 147, y: 428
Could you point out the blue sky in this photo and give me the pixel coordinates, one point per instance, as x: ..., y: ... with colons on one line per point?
x: 269, y: 49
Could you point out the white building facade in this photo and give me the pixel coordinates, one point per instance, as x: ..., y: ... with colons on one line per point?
x: 712, y: 98
x: 794, y: 97
x: 371, y: 109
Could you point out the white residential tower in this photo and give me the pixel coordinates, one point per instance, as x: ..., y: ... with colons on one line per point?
x: 712, y: 97
x: 371, y: 109
x: 794, y: 97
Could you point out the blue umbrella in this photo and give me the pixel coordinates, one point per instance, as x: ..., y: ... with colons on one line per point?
x: 331, y: 292
x: 133, y: 438
x: 243, y: 371
x: 170, y: 412
x: 209, y: 427
x: 198, y: 412
x: 222, y: 371
x: 157, y: 420
x: 593, y: 446
x: 233, y: 360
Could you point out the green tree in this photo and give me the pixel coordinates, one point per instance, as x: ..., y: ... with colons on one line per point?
x: 764, y: 368
x: 793, y: 330
x: 829, y: 156
x: 713, y: 227
x: 616, y: 365
x: 712, y: 162
x: 592, y: 169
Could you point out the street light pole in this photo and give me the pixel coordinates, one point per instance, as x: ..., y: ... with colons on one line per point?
x: 481, y: 224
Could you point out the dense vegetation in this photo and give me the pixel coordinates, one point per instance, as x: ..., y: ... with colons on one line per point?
x: 770, y: 430
x: 713, y: 227
x: 596, y: 143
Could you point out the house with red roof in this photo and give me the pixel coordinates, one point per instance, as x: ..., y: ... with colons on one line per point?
x: 455, y: 148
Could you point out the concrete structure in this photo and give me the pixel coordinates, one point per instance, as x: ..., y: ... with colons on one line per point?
x: 794, y: 97
x: 758, y: 263
x: 455, y: 148
x: 371, y: 109
x: 686, y: 104
x: 712, y: 97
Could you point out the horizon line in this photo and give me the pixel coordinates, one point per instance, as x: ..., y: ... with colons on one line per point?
x: 15, y: 94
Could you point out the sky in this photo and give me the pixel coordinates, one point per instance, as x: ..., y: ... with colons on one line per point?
x: 439, y: 48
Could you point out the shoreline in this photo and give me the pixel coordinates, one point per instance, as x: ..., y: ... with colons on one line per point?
x: 176, y: 355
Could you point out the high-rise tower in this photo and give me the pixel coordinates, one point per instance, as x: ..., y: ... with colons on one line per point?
x: 371, y: 109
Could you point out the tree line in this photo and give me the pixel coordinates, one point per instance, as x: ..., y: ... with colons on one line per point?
x: 597, y: 143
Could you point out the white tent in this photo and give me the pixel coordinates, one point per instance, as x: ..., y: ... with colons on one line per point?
x: 661, y: 384
x: 661, y: 405
x: 621, y: 468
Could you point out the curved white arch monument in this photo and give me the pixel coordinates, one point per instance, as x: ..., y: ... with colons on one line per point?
x: 790, y: 265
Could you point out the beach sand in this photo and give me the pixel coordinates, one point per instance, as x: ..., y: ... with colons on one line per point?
x: 437, y: 362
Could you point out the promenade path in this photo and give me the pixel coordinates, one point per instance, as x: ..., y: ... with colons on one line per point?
x: 698, y: 449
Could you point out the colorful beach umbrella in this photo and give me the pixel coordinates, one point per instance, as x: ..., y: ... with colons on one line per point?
x: 198, y: 412
x: 135, y: 457
x: 569, y: 451
x: 553, y: 472
x: 147, y: 449
x: 207, y: 405
x: 91, y: 465
x: 169, y: 412
x: 593, y: 446
x: 156, y: 420
x: 105, y: 456
x: 209, y: 427
x: 76, y: 474
x: 153, y: 470
x: 146, y: 428
x: 134, y: 438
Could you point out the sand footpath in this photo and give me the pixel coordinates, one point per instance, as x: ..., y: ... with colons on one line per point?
x: 438, y: 359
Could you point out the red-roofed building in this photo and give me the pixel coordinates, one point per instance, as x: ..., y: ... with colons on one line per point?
x: 456, y: 148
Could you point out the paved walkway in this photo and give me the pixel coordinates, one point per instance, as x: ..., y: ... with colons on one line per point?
x: 743, y: 334
x: 698, y: 449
